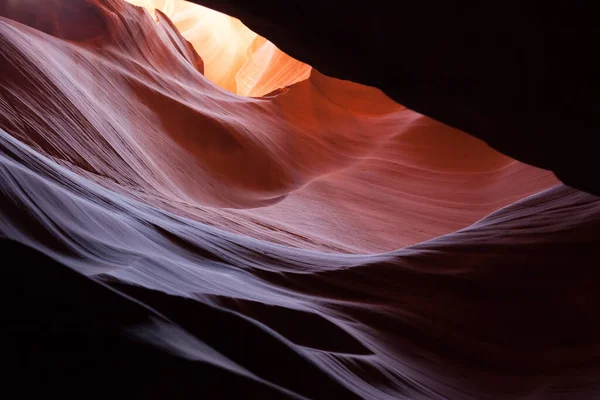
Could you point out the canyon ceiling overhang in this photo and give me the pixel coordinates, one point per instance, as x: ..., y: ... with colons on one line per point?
x: 523, y: 78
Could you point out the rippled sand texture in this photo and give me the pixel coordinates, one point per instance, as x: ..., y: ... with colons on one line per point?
x: 357, y: 248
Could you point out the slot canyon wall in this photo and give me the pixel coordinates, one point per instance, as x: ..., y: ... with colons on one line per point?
x: 299, y: 201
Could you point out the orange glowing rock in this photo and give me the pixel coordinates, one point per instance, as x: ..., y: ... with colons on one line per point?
x: 264, y: 225
x: 325, y: 164
x: 235, y: 58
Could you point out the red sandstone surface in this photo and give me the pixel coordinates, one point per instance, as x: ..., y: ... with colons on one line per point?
x: 178, y: 152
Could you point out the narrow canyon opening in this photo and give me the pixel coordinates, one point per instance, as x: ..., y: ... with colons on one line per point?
x: 235, y: 58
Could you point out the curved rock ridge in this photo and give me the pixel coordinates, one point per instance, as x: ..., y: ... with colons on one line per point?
x: 126, y: 104
x: 181, y: 219
x: 488, y: 312
x: 520, y: 77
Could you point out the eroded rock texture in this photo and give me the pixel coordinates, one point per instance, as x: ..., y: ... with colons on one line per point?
x: 192, y: 211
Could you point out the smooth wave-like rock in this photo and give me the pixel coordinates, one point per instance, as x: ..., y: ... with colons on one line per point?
x: 248, y: 234
x: 521, y: 77
x: 491, y: 311
x: 132, y: 110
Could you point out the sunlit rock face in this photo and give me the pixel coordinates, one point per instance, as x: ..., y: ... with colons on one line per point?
x: 324, y: 164
x: 324, y: 232
x: 235, y: 58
